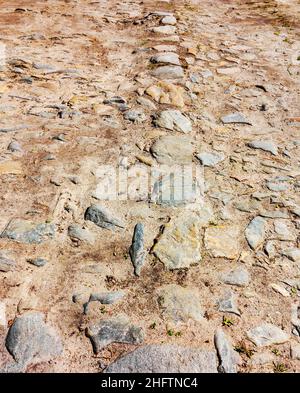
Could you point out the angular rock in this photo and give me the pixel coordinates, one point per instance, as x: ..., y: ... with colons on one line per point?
x: 255, y: 232
x: 227, y: 355
x: 167, y: 93
x: 103, y: 298
x: 180, y: 304
x: 76, y: 232
x: 283, y: 231
x: 102, y: 217
x: 267, y: 334
x: 31, y: 340
x: 164, y: 358
x: 15, y: 146
x: 235, y: 118
x: 173, y: 120
x: 292, y: 253
x: 179, y: 190
x: 166, y: 58
x: 6, y: 264
x: 168, y: 72
x: 146, y: 103
x: 173, y: 150
x: 210, y: 159
x: 114, y: 330
x: 136, y: 251
x: 39, y: 262
x: 269, y: 146
x: 223, y: 241
x: 277, y: 186
x: 167, y: 29
x: 135, y: 116
x: 179, y: 245
x: 228, y: 303
x: 238, y: 276
x: 28, y: 232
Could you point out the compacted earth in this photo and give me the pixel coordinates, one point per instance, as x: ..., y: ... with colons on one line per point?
x: 103, y: 268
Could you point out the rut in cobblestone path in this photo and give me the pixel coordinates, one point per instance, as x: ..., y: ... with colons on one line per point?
x: 92, y: 90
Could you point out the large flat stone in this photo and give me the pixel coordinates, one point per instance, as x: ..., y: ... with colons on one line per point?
x: 223, y: 241
x: 114, y: 330
x: 180, y: 245
x: 173, y: 120
x: 28, y: 232
x: 172, y: 150
x: 267, y: 334
x: 165, y: 359
x: 180, y: 304
x: 31, y: 340
x: 168, y: 72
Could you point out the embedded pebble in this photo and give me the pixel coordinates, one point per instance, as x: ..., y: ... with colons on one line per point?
x: 238, y: 276
x: 210, y: 159
x: 255, y: 232
x: 137, y: 251
x: 268, y: 146
x: 267, y: 334
x: 114, y: 330
x: 39, y: 262
x: 180, y: 304
x: 228, y: 303
x: 102, y: 217
x: 173, y: 120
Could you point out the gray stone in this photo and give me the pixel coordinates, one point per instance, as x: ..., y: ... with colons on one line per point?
x: 277, y: 186
x: 269, y: 146
x: 114, y: 330
x: 173, y: 150
x: 267, y: 334
x: 283, y: 231
x: 100, y: 216
x: 31, y: 340
x: 238, y: 276
x: 168, y: 72
x: 173, y: 120
x: 235, y: 118
x: 180, y: 304
x: 28, y: 232
x: 164, y: 358
x: 39, y: 262
x: 15, y: 146
x: 166, y: 58
x: 210, y: 159
x: 136, y: 251
x: 227, y: 356
x: 228, y: 303
x: 255, y: 232
x: 6, y: 264
x: 167, y: 29
x: 76, y: 232
x: 179, y: 190
x: 103, y: 298
x: 169, y: 20
x: 146, y: 103
x: 179, y: 246
x: 135, y: 116
x: 292, y: 253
